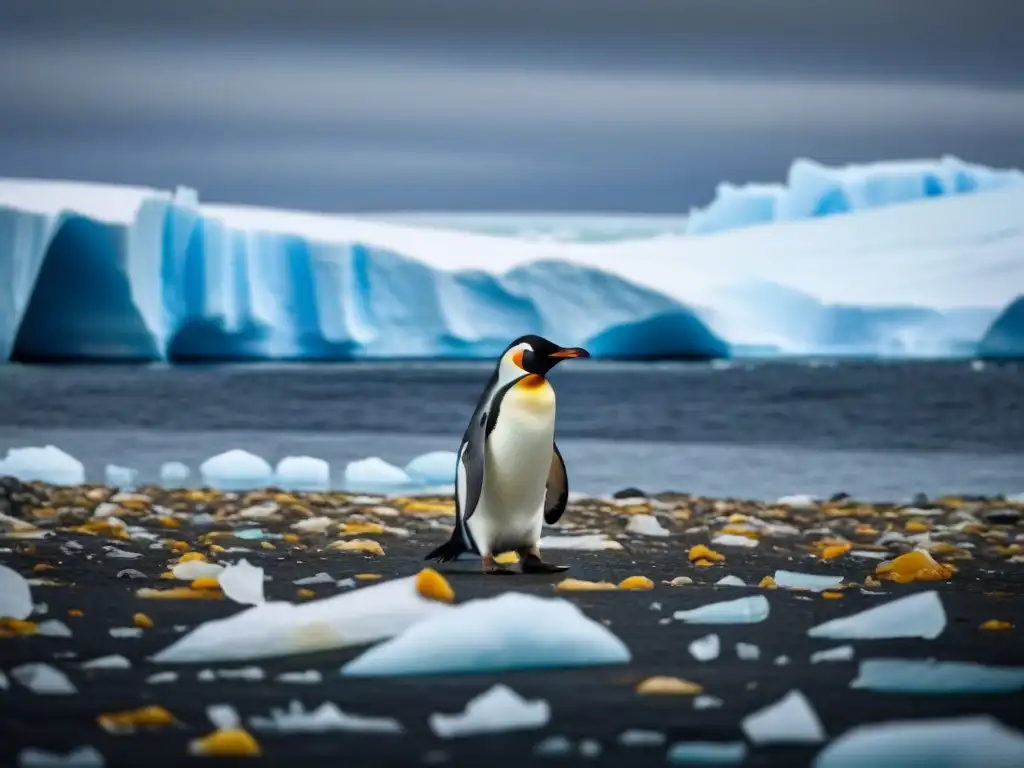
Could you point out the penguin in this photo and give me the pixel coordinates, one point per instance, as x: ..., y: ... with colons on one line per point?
x: 510, y: 478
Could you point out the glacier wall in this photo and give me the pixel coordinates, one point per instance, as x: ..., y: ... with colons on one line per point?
x: 1005, y: 337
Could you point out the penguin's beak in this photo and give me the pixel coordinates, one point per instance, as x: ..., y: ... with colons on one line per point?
x: 570, y: 352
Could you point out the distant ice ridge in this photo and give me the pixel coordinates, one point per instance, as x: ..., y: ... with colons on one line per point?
x: 146, y: 274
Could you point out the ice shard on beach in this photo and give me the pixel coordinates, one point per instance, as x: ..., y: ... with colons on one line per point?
x: 744, y: 610
x: 812, y: 581
x: 918, y: 615
x: 942, y: 677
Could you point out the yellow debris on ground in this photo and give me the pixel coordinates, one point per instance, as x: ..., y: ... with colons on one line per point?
x: 433, y: 586
x: 227, y: 742
x: 366, y: 546
x: 914, y: 566
x: 671, y: 686
x: 701, y: 552
x: 636, y: 582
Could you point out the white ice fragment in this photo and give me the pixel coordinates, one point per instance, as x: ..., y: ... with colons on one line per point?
x: 53, y: 628
x: 554, y: 746
x: 589, y: 748
x: 868, y: 554
x: 707, y: 702
x: 326, y: 717
x: 639, y: 737
x: 790, y: 720
x: 589, y: 542
x: 815, y: 582
x: 243, y: 583
x: 956, y: 742
x: 434, y: 468
x: 744, y: 610
x: 174, y: 474
x: 235, y: 470
x: 497, y: 709
x: 373, y: 474
x: 124, y: 632
x: 781, y: 661
x: 302, y: 473
x: 262, y: 511
x: 223, y: 717
x: 747, y: 652
x: 320, y: 578
x: 646, y: 525
x: 250, y: 674
x: 117, y: 553
x: 318, y: 524
x: 206, y: 676
x: 82, y: 757
x: 113, y: 661
x: 798, y: 501
x: 705, y: 648
x: 839, y: 653
x: 305, y: 677
x: 707, y: 753
x: 160, y: 678
x: 917, y: 615
x: 931, y: 676
x: 191, y: 570
x: 732, y: 540
x: 279, y: 629
x: 15, y: 594
x: 119, y: 477
x: 48, y: 465
x: 43, y: 679
x: 495, y: 634
x: 730, y: 581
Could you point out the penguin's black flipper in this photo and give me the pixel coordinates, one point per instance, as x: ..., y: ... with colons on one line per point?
x: 469, y: 478
x: 557, y: 496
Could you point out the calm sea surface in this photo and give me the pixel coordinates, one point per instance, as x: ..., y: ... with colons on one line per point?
x: 878, y: 431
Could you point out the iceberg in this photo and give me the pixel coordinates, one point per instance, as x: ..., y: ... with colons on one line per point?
x: 923, y: 259
x: 1005, y: 337
x: 48, y: 464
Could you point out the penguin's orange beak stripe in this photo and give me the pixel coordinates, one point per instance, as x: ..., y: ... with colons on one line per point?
x: 568, y: 353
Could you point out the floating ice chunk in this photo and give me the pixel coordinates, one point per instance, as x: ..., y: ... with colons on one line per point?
x: 639, y: 737
x: 49, y: 465
x: 191, y: 570
x: 120, y: 477
x: 303, y: 473
x: 320, y: 578
x: 235, y: 470
x: 589, y: 748
x: 745, y: 610
x: 732, y: 540
x: 82, y: 757
x: 930, y: 676
x: 781, y: 661
x: 813, y: 581
x: 53, y: 628
x: 249, y: 674
x: 646, y: 525
x: 174, y: 474
x: 707, y: 753
x: 705, y: 701
x: 373, y: 474
x: 113, y: 661
x: 554, y: 746
x: 434, y: 468
x: 868, y: 554
x: 798, y: 501
x: 278, y: 628
x: 15, y: 595
x: 124, y: 632
x: 705, y: 648
x: 747, y: 652
x: 956, y: 742
x: 492, y: 635
x: 917, y: 615
x: 243, y: 583
x: 223, y: 716
x: 326, y: 717
x: 730, y: 581
x: 305, y: 677
x: 43, y: 679
x: 590, y: 542
x: 790, y: 720
x: 497, y: 709
x: 839, y: 653
x: 162, y: 677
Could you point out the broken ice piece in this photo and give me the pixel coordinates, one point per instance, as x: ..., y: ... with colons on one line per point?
x: 190, y: 570
x: 732, y: 540
x: 839, y: 653
x: 930, y: 676
x: 554, y: 746
x: 813, y: 581
x: 130, y: 573
x: 43, y: 679
x: 497, y: 709
x: 705, y: 648
x: 243, y: 583
x: 53, y: 628
x: 82, y: 757
x: 781, y: 661
x: 224, y: 717
x: 326, y: 717
x: 588, y: 542
x: 745, y: 610
x: 646, y: 525
x: 589, y: 748
x: 917, y: 615
x: 790, y: 720
x: 114, y: 661
x: 122, y: 632
x: 15, y: 595
x: 956, y: 742
x: 307, y: 677
x: 730, y: 581
x: 320, y: 578
x: 162, y: 677
x: 747, y: 651
x: 707, y: 702
x: 638, y: 737
x: 707, y: 753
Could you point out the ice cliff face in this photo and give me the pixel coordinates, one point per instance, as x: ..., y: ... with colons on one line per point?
x: 116, y: 273
x: 1005, y: 338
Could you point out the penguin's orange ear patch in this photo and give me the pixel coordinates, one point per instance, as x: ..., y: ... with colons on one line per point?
x: 517, y: 358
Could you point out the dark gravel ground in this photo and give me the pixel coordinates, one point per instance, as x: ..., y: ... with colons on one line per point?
x: 591, y: 703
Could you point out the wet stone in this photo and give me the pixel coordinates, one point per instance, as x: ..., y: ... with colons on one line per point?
x: 1003, y: 516
x: 629, y: 493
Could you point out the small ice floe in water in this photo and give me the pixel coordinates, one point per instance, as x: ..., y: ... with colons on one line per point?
x: 638, y: 737
x: 174, y: 474
x: 279, y: 629
x: 493, y: 711
x: 49, y: 465
x: 508, y: 632
x: 730, y: 581
x: 43, y: 679
x: 589, y: 542
x: 15, y: 595
x: 113, y: 661
x: 790, y: 720
x: 82, y: 757
x: 320, y: 578
x: 374, y: 474
x: 956, y: 742
x: 53, y: 628
x: 931, y: 676
x: 434, y: 468
x: 302, y: 473
x: 235, y: 470
x: 705, y: 648
x: 839, y: 653
x: 160, y: 678
x: 120, y: 477
x: 646, y: 525
x: 747, y: 652
x: 191, y: 570
x: 326, y: 717
x: 705, y: 701
x: 798, y: 501
x: 124, y: 632
x: 707, y: 753
x: 243, y: 583
x: 745, y: 610
x: 554, y: 746
x: 304, y: 677
x: 732, y: 540
x: 813, y: 581
x: 917, y: 615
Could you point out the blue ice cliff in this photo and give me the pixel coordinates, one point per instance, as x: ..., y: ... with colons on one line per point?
x: 920, y: 263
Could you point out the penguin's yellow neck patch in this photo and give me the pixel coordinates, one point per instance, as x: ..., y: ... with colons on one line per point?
x: 532, y: 382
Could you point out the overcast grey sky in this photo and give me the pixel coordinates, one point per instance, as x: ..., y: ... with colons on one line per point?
x: 526, y: 105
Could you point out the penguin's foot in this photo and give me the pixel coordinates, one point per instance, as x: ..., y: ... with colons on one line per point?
x: 491, y: 568
x: 532, y: 563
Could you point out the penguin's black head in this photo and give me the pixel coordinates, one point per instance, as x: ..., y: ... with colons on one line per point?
x: 535, y: 354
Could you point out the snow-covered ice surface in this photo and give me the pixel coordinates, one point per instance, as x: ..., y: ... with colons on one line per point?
x: 744, y: 610
x: 918, y: 615
x: 493, y: 635
x: 495, y: 710
x: 48, y: 464
x: 891, y: 259
x: 937, y: 677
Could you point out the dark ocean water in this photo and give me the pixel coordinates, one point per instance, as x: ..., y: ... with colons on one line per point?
x: 882, y: 431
